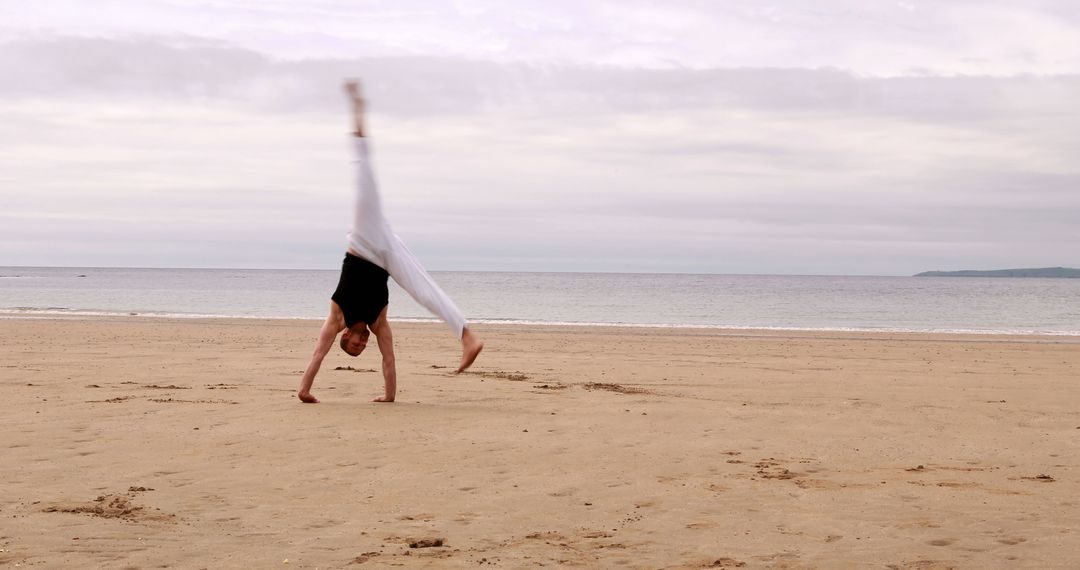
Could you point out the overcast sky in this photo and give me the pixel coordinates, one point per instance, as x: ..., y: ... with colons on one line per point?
x: 743, y: 136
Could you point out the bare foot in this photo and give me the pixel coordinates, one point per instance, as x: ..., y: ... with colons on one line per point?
x: 352, y: 89
x: 470, y: 349
x: 307, y: 398
x: 383, y: 399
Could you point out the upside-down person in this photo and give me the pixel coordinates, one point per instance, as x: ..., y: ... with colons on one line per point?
x: 358, y: 305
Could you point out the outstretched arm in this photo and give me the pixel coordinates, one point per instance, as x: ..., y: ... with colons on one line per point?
x: 352, y: 90
x: 385, y: 338
x: 330, y: 328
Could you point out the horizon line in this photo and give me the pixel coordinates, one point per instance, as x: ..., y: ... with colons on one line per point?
x: 456, y: 271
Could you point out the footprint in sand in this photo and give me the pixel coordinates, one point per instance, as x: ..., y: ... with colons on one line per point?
x: 783, y: 558
x: 919, y: 523
x: 922, y: 565
x: 112, y: 506
x: 824, y: 484
x: 493, y: 374
x: 421, y: 517
x: 325, y: 523
x: 544, y: 536
x: 178, y: 401
x: 363, y: 558
x: 941, y: 542
x: 115, y: 400
x: 724, y: 562
x: 597, y: 534
x: 772, y: 469
x: 430, y: 542
x: 466, y: 518
x: 617, y: 388
x: 549, y: 387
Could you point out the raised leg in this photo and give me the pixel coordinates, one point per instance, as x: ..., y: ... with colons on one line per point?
x: 411, y: 276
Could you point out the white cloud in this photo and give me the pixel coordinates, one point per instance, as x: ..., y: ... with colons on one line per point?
x: 869, y: 38
x: 504, y: 142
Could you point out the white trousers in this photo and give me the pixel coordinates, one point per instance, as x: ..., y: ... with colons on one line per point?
x: 373, y: 239
x: 406, y: 270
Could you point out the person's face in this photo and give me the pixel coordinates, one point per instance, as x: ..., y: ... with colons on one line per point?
x: 353, y: 342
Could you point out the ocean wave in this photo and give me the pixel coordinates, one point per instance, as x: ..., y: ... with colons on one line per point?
x: 65, y: 312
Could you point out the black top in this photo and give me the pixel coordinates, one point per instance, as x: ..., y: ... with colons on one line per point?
x: 361, y: 292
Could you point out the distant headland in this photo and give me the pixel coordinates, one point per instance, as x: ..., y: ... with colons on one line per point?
x: 1054, y: 272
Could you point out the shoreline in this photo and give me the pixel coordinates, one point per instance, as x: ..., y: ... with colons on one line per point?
x: 1068, y: 337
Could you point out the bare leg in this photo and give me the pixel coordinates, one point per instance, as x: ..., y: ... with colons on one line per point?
x: 470, y: 349
x: 411, y: 276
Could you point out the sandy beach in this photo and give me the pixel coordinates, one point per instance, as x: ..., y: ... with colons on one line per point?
x: 142, y: 443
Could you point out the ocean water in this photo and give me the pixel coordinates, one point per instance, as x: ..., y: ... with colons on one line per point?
x: 986, y: 305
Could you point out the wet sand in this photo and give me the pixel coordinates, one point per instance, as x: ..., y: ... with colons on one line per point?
x: 140, y: 443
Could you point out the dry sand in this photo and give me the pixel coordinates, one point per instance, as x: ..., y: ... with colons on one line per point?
x: 137, y: 443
